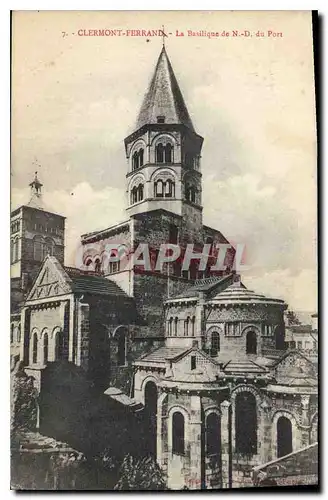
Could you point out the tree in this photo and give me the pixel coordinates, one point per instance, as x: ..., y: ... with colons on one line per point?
x: 140, y: 474
x: 292, y: 319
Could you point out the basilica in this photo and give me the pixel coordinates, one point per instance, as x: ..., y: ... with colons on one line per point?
x: 204, y: 356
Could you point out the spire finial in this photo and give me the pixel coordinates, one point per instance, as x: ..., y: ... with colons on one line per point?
x: 163, y: 36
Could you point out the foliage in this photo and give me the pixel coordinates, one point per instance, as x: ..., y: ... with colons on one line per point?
x: 140, y: 474
x: 23, y: 400
x: 292, y: 319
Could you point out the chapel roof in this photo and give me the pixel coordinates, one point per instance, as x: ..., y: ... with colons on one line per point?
x: 84, y: 282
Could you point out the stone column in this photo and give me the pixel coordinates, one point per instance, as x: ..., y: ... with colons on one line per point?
x: 305, y: 421
x: 82, y: 347
x: 160, y: 458
x: 265, y: 445
x: 199, y: 318
x: 226, y: 472
x: 195, y: 441
x: 24, y: 336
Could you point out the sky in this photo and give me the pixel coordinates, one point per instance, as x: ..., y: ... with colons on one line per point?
x: 74, y: 99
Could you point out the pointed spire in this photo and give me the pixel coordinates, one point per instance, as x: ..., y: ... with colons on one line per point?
x: 36, y: 195
x: 163, y: 101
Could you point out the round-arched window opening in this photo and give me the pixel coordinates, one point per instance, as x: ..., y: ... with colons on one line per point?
x: 251, y: 343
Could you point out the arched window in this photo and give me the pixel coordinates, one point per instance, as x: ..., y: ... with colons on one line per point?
x: 38, y: 248
x: 186, y: 327
x: 121, y: 349
x: 141, y: 157
x: 175, y: 326
x: 159, y: 189
x: 215, y: 343
x: 178, y: 444
x: 59, y: 345
x: 14, y: 250
x: 18, y: 333
x: 97, y: 266
x: 16, y: 253
x: 213, y: 434
x: 190, y: 193
x: 170, y: 327
x: 284, y: 437
x: 151, y: 397
x: 135, y: 161
x: 134, y: 195
x: 140, y: 192
x: 35, y: 348
x: 246, y: 423
x: 114, y: 266
x: 168, y: 153
x: 159, y: 150
x: 169, y: 189
x: 251, y: 343
x: 193, y: 319
x: 45, y: 347
x: 88, y: 262
x: 48, y: 247
x: 151, y: 413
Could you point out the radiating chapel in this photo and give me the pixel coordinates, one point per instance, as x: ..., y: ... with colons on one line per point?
x: 205, y: 356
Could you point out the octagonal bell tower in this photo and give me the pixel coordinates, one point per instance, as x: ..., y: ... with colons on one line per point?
x: 163, y: 153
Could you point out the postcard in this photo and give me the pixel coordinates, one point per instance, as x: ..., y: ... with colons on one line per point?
x: 164, y: 317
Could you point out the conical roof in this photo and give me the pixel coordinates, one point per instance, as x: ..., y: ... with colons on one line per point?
x: 163, y: 97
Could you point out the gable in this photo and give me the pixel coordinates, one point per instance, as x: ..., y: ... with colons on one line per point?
x: 294, y: 366
x: 183, y: 362
x: 51, y: 281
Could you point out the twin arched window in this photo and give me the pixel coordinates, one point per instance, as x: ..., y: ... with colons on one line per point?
x: 189, y: 326
x: 137, y: 159
x: 164, y: 153
x: 164, y: 188
x: 42, y: 248
x: 137, y: 193
x: 173, y: 327
x: 178, y: 431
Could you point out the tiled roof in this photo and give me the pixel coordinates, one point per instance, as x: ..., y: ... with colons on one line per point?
x: 238, y: 293
x: 243, y: 366
x: 204, y: 285
x: 82, y: 282
x: 164, y: 97
x: 164, y: 353
x: 300, y: 462
x: 122, y: 398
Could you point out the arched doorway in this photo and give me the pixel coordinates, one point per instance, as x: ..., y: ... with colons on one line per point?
x: 151, y: 414
x: 284, y: 437
x: 251, y: 343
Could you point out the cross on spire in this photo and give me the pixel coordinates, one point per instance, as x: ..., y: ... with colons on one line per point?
x: 163, y: 35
